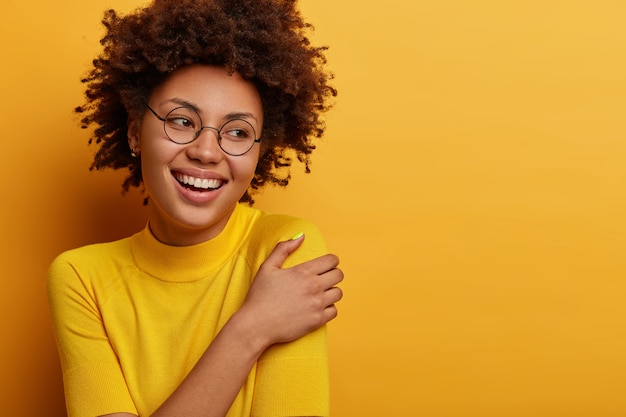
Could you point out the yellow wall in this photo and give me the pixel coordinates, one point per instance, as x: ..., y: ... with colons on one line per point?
x: 473, y: 181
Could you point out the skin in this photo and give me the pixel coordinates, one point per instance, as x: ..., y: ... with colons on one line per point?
x: 178, y: 215
x: 282, y: 304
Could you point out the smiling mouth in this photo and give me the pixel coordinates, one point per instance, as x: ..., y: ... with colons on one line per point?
x: 203, y: 184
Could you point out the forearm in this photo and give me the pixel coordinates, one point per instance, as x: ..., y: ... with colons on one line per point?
x: 281, y: 306
x: 211, y: 387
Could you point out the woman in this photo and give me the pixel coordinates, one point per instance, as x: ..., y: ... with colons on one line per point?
x: 215, y: 308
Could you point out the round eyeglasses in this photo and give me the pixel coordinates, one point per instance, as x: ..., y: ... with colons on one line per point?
x: 183, y: 125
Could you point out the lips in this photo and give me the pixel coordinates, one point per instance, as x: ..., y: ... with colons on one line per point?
x: 198, y: 183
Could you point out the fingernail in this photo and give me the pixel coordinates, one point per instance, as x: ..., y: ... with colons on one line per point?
x: 297, y: 236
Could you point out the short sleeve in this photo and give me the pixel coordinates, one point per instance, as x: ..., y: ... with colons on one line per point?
x: 93, y: 380
x: 293, y: 378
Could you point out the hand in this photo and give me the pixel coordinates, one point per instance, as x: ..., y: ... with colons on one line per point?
x: 285, y: 304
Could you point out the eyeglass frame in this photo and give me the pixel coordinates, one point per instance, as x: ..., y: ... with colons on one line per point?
x: 202, y: 127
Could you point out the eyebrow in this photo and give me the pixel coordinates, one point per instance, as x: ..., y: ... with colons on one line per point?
x: 229, y: 116
x: 185, y: 103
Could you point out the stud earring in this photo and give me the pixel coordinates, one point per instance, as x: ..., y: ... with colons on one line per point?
x: 133, y: 153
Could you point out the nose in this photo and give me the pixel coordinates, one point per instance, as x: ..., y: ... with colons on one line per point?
x: 206, y: 147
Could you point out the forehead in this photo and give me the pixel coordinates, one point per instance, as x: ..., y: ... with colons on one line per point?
x: 211, y: 89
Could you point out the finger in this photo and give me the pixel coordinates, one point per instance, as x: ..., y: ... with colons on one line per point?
x: 327, y: 263
x: 330, y: 278
x: 332, y: 296
x: 318, y: 266
x: 330, y: 313
x: 283, y: 249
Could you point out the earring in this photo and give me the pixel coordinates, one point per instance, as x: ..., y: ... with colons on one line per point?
x: 133, y: 153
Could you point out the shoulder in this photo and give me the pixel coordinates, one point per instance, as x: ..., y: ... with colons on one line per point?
x: 273, y: 228
x: 284, y: 226
x: 95, y: 254
x: 88, y: 262
x: 95, y: 251
x: 268, y: 229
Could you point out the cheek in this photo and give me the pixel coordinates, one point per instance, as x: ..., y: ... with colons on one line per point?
x: 157, y: 149
x: 255, y: 161
x: 154, y: 162
x: 244, y: 169
x: 149, y: 159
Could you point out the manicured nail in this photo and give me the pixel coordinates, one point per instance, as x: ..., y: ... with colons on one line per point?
x: 297, y: 236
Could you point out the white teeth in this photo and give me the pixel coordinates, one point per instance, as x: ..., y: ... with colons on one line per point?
x: 203, y: 183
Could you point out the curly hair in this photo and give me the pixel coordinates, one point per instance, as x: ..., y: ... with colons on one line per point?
x: 265, y: 41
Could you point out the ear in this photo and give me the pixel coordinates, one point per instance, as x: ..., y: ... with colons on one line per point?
x: 133, y: 135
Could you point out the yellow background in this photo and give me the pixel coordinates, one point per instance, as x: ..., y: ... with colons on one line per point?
x: 472, y: 181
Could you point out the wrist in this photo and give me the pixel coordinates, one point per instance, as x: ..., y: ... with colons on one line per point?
x: 245, y: 325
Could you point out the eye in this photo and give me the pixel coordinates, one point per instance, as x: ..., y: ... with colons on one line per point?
x: 182, y: 118
x: 238, y: 133
x: 238, y: 130
x: 179, y: 122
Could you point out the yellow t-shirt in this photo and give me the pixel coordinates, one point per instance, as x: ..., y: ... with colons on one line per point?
x: 132, y: 317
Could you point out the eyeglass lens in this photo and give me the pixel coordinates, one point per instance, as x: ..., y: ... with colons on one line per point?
x: 235, y: 137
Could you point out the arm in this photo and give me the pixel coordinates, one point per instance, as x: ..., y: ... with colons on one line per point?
x: 293, y: 379
x: 282, y: 305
